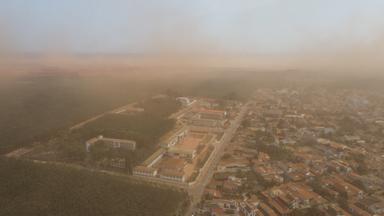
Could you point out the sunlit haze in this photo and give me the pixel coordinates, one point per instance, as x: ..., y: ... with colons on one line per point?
x: 241, y: 27
x: 191, y: 107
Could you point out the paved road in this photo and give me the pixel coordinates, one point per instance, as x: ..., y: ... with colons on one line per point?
x: 196, y: 190
x: 18, y: 152
x: 117, y: 110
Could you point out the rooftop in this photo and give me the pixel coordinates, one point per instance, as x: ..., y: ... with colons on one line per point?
x: 156, y: 154
x: 176, y: 130
x: 173, y: 173
x: 189, y: 143
x: 144, y: 169
x: 170, y: 163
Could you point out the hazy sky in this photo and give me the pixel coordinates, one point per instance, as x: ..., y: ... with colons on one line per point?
x: 210, y: 26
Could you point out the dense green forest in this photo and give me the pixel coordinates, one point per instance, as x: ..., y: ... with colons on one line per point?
x: 35, y: 189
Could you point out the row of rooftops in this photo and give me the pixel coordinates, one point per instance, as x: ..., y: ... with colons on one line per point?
x: 287, y: 196
x: 178, y: 143
x: 331, y: 161
x: 338, y: 184
x: 179, y: 128
x: 166, y: 167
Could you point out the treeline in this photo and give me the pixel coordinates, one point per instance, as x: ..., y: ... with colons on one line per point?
x: 279, y: 153
x: 35, y: 189
x: 263, y: 142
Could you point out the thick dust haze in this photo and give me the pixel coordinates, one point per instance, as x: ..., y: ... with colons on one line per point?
x: 170, y: 39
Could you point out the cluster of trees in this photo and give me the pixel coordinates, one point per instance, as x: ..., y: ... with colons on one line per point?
x: 279, y: 153
x: 254, y: 183
x: 262, y: 139
x: 36, y: 189
x: 254, y: 177
x: 362, y: 167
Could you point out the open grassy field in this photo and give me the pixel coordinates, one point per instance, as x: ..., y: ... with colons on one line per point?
x: 35, y: 189
x: 145, y: 128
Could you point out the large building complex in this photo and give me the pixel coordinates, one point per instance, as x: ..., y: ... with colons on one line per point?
x: 177, y: 162
x: 184, y: 150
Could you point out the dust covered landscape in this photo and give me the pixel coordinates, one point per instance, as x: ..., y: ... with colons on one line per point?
x: 192, y: 108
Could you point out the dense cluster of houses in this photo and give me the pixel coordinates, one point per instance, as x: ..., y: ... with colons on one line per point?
x: 304, y: 152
